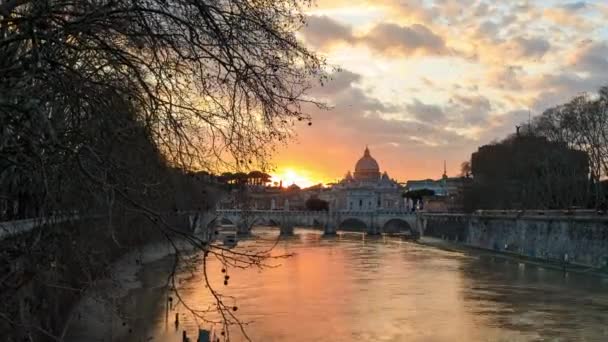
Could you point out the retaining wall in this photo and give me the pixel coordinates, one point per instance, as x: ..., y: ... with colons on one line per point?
x: 562, y: 237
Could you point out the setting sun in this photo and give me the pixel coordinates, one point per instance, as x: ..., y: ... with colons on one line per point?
x: 289, y: 176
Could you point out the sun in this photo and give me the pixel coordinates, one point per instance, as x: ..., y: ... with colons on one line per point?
x: 289, y: 176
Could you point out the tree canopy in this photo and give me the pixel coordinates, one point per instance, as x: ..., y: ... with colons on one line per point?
x: 418, y: 194
x: 316, y: 204
x: 197, y: 84
x: 107, y: 105
x: 582, y: 124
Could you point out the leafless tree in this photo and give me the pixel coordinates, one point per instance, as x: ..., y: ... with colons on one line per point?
x: 105, y: 105
x: 465, y: 169
x: 582, y: 123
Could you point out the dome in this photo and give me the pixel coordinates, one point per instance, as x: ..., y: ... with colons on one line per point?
x: 367, y: 167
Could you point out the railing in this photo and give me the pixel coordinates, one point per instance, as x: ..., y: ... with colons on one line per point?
x: 535, y: 212
x: 316, y: 213
x: 579, y: 215
x: 10, y: 228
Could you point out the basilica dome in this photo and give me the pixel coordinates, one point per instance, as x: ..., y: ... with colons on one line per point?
x: 367, y: 167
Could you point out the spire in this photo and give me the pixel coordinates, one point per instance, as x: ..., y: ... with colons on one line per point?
x: 445, y: 172
x: 366, y: 153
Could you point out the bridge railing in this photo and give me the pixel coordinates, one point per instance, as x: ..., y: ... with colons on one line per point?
x: 10, y: 228
x: 549, y: 212
x: 316, y: 213
x: 581, y: 215
x: 273, y: 212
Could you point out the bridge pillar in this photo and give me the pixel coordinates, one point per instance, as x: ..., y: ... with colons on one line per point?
x: 421, y: 223
x: 329, y: 229
x: 373, y: 228
x: 242, y: 228
x: 200, y: 225
x: 330, y: 225
x: 286, y: 225
x: 286, y: 228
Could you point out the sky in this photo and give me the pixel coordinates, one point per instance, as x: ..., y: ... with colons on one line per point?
x: 423, y: 81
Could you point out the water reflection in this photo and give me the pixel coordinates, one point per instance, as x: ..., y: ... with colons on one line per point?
x: 350, y: 289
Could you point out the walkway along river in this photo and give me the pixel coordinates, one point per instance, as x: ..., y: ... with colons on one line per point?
x: 350, y: 289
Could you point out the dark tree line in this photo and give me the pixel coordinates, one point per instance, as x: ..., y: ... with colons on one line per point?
x: 107, y: 107
x: 252, y: 178
x: 316, y: 204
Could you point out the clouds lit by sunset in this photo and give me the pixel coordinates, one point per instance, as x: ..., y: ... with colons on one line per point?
x: 423, y: 81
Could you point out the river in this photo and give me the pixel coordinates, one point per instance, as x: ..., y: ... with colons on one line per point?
x: 350, y: 289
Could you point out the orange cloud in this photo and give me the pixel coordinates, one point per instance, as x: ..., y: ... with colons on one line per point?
x: 427, y: 80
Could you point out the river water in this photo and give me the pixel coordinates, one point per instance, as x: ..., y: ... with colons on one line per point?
x: 350, y: 289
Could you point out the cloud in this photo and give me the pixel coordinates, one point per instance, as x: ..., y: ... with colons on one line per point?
x: 425, y: 113
x: 357, y: 116
x: 500, y: 126
x: 575, y: 6
x: 567, y: 17
x: 338, y: 82
x: 532, y: 47
x: 393, y: 39
x: 592, y: 58
x: 323, y: 32
x: 471, y: 110
x: 505, y: 77
x: 482, y: 9
x: 490, y: 62
x: 488, y: 29
x: 586, y: 71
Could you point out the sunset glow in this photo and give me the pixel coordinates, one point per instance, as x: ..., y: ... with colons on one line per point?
x: 289, y: 176
x: 424, y: 81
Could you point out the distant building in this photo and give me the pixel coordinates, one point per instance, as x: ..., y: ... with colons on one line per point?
x: 445, y: 186
x: 528, y: 172
x: 367, y: 189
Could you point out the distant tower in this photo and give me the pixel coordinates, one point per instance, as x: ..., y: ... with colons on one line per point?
x: 445, y: 172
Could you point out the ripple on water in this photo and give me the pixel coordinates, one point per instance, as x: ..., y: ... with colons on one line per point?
x: 377, y: 290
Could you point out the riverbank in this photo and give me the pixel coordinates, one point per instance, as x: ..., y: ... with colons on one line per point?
x: 550, y: 264
x: 121, y: 308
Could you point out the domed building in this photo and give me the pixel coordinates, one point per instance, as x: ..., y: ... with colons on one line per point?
x: 367, y: 168
x: 367, y: 189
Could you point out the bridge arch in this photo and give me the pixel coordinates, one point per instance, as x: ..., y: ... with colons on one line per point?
x: 264, y: 221
x: 225, y: 220
x: 353, y: 224
x: 257, y: 221
x: 397, y: 225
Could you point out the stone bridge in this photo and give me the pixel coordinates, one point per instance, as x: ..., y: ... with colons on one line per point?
x: 370, y: 222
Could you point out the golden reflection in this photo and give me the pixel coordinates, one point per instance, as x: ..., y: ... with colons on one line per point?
x: 352, y: 290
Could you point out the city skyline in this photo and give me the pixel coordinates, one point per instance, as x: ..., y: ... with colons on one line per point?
x: 425, y: 81
x: 287, y: 176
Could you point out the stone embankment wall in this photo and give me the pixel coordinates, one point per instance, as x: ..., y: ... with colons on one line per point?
x: 579, y: 238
